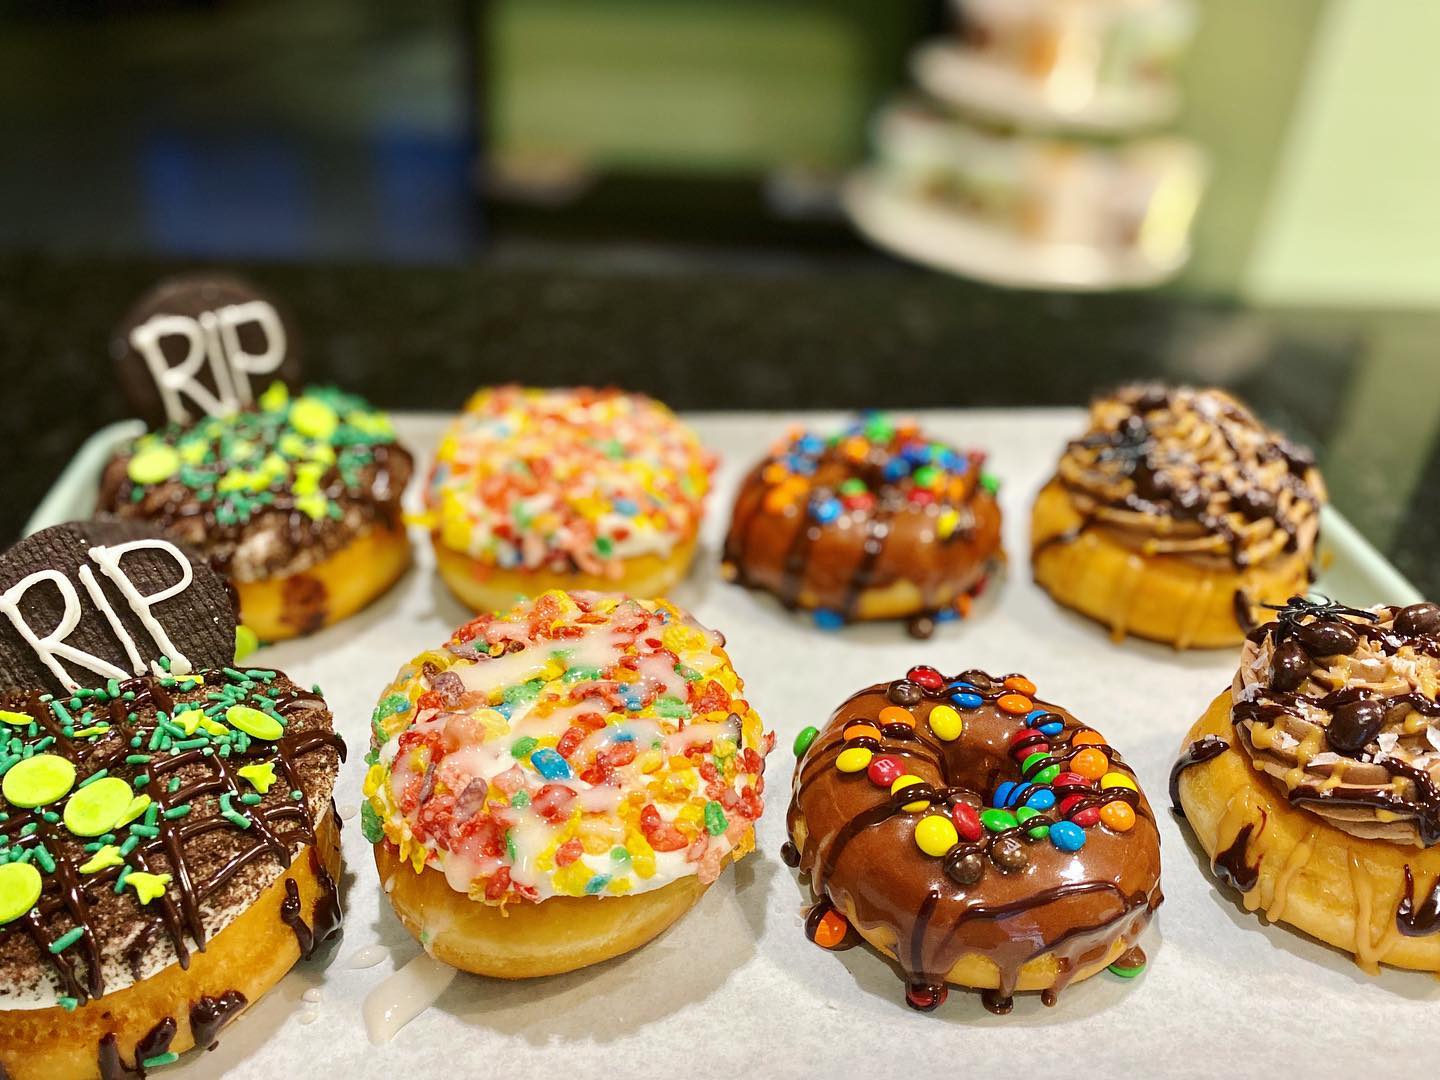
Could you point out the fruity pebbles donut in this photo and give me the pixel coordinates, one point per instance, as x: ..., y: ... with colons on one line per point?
x: 168, y: 851
x: 876, y: 522
x: 565, y: 489
x: 296, y: 499
x: 974, y: 834
x: 558, y: 784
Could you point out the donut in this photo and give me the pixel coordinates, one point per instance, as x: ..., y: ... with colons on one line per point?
x: 559, y: 783
x: 577, y: 489
x: 877, y: 522
x: 296, y: 499
x: 168, y: 851
x: 1175, y: 516
x: 1311, y: 782
x: 974, y: 834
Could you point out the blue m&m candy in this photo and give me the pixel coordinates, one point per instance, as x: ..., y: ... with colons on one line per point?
x: 825, y: 510
x: 1002, y: 793
x: 1067, y: 836
x: 967, y: 699
x: 1040, y: 799
x: 826, y: 619
x: 1036, y: 718
x: 1017, y: 794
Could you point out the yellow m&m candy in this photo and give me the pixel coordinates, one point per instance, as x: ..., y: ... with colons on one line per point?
x: 1117, y: 779
x: 945, y: 722
x: 853, y: 760
x: 900, y: 784
x: 935, y: 835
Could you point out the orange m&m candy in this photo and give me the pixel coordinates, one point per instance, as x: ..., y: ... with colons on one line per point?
x: 1090, y: 763
x: 859, y: 731
x: 1118, y: 816
x: 1020, y: 684
x: 1014, y: 704
x: 894, y: 714
x: 1088, y: 737
x: 830, y: 931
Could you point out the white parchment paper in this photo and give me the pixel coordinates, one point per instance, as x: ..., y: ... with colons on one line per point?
x: 734, y: 988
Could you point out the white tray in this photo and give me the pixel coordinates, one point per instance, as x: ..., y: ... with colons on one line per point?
x: 735, y: 988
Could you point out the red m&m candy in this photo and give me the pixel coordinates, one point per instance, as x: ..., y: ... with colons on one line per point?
x: 884, y: 770
x: 926, y: 677
x: 1086, y: 818
x: 967, y: 821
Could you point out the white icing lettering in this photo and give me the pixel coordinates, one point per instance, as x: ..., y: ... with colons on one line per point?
x: 52, y: 646
x: 108, y: 559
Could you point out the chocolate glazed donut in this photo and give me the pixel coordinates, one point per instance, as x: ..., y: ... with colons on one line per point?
x: 975, y: 834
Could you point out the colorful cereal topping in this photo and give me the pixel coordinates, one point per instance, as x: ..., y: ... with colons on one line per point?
x: 577, y: 745
x: 566, y: 479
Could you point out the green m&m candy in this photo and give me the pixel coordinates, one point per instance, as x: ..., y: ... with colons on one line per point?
x: 804, y: 739
x: 20, y: 885
x: 44, y: 778
x: 98, y: 807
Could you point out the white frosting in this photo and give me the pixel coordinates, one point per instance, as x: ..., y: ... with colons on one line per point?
x: 404, y: 996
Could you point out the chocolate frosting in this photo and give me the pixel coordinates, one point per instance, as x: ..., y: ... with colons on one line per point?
x: 1191, y: 473
x: 221, y: 840
x: 886, y: 526
x: 1026, y: 896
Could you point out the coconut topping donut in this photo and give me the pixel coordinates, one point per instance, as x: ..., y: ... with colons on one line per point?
x: 975, y: 834
x: 559, y: 783
x: 168, y: 851
x: 876, y: 522
x: 296, y: 499
x: 1175, y: 515
x: 573, y: 489
x: 1318, y: 795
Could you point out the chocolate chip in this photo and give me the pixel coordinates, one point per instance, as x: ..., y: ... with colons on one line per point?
x: 965, y: 867
x: 1328, y: 637
x: 1353, y: 725
x: 1289, y: 666
x: 1008, y: 853
x: 904, y: 692
x: 1418, y: 619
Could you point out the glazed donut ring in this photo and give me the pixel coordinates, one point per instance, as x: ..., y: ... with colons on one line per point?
x: 1175, y: 516
x: 560, y: 783
x: 1308, y: 784
x: 878, y: 522
x: 577, y: 489
x: 976, y: 835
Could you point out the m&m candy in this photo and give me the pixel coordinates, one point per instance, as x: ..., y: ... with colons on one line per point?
x: 1090, y: 763
x: 804, y: 739
x: 884, y: 770
x: 926, y: 677
x: 966, y: 820
x: 1067, y: 836
x: 935, y: 835
x: 1117, y: 816
x: 945, y: 722
x: 853, y: 759
x: 967, y: 699
x: 904, y: 781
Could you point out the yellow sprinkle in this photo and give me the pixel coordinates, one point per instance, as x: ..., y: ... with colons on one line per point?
x: 106, y: 857
x: 261, y: 777
x: 147, y: 886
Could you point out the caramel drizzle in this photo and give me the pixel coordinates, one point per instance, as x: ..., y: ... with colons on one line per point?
x: 69, y: 893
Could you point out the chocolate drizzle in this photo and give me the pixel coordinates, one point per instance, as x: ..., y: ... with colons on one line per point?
x: 831, y: 545
x: 1420, y: 920
x: 216, y: 859
x: 209, y: 1016
x: 1197, y: 753
x: 855, y: 839
x: 155, y: 1044
x: 1230, y: 865
x: 325, y: 915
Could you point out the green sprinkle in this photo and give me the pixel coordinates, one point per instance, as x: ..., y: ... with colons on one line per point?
x: 93, y: 777
x: 65, y: 940
x: 69, y: 1004
x: 715, y: 820
x: 177, y: 812
x: 160, y: 1060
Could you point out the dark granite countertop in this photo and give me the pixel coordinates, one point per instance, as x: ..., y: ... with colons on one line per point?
x: 737, y: 332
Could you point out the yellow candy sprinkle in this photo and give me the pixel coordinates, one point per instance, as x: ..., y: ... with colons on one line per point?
x: 246, y: 642
x: 853, y: 759
x: 154, y: 464
x: 147, y: 886
x: 1117, y: 779
x: 138, y: 806
x: 188, y: 720
x: 253, y: 722
x: 260, y: 777
x: 18, y: 719
x: 900, y: 784
x: 313, y: 418
x: 312, y: 504
x: 97, y: 807
x: 20, y: 885
x: 104, y: 859
x: 935, y: 835
x: 275, y: 397
x: 945, y: 722
x: 38, y: 780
